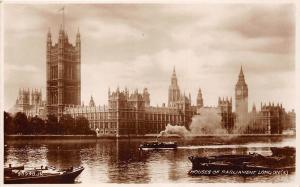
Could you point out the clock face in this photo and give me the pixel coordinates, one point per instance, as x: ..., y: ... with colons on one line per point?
x: 238, y: 92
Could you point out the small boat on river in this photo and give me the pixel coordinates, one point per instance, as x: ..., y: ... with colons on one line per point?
x: 43, y: 175
x: 158, y: 145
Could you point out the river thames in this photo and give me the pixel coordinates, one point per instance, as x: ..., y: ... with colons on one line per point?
x: 120, y: 161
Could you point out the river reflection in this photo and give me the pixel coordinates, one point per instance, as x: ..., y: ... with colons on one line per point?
x: 120, y: 161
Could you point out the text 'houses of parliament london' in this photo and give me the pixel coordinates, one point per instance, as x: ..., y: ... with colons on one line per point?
x: 130, y: 112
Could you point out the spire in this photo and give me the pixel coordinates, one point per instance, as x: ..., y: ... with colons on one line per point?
x: 61, y: 33
x: 253, y: 108
x: 241, y: 80
x: 174, y: 73
x: 199, y: 99
x: 49, y: 33
x: 78, y: 35
x: 199, y: 96
x: 92, y: 103
x: 174, y: 78
x: 49, y: 41
x: 78, y: 38
x: 199, y: 92
x: 241, y: 72
x: 241, y: 75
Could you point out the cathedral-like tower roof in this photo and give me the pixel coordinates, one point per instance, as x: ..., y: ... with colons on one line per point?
x: 199, y: 93
x: 92, y: 102
x: 241, y: 81
x: 174, y: 78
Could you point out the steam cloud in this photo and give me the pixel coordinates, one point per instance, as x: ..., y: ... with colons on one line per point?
x: 175, y: 129
x: 208, y: 122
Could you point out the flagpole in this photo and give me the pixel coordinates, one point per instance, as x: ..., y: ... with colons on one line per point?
x: 63, y: 18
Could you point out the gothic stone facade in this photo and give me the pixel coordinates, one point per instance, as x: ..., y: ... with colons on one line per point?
x: 271, y: 119
x: 63, y: 73
x: 131, y: 113
x: 227, y: 116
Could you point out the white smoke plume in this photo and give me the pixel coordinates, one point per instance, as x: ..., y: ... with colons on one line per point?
x: 242, y: 123
x: 207, y: 122
x: 174, y: 129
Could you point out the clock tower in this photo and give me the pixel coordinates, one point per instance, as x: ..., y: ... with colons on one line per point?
x: 241, y: 98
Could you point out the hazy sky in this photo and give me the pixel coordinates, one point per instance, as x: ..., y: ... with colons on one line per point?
x: 138, y: 45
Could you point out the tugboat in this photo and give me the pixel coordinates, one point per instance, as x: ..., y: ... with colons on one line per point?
x: 158, y: 145
x: 252, y: 164
x: 43, y: 175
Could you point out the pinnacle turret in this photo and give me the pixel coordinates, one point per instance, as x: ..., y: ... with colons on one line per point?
x: 92, y: 103
x: 174, y: 91
x: 49, y: 33
x: 241, y: 72
x: 200, y: 99
x: 174, y: 78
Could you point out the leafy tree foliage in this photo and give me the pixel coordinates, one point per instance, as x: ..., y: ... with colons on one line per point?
x: 21, y: 123
x: 82, y: 126
x: 67, y: 125
x: 9, y: 127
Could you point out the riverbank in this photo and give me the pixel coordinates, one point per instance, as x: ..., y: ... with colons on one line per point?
x: 147, y: 136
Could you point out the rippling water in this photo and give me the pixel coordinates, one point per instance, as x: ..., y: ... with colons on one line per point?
x: 120, y: 161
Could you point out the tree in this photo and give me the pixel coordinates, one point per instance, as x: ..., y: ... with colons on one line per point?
x: 52, y: 126
x: 37, y: 125
x: 9, y: 127
x: 82, y: 126
x: 21, y: 122
x: 68, y: 124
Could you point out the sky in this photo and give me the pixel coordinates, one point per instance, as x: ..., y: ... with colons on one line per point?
x: 137, y: 46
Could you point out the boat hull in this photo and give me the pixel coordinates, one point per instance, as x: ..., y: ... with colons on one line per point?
x: 157, y: 145
x: 68, y: 177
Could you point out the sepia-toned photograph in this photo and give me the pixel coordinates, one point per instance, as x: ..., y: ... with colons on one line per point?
x: 141, y: 93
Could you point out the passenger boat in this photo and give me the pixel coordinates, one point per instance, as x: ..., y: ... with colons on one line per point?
x: 250, y: 164
x: 158, y: 145
x: 43, y: 175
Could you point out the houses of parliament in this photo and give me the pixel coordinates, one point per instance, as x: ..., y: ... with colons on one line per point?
x: 130, y: 112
